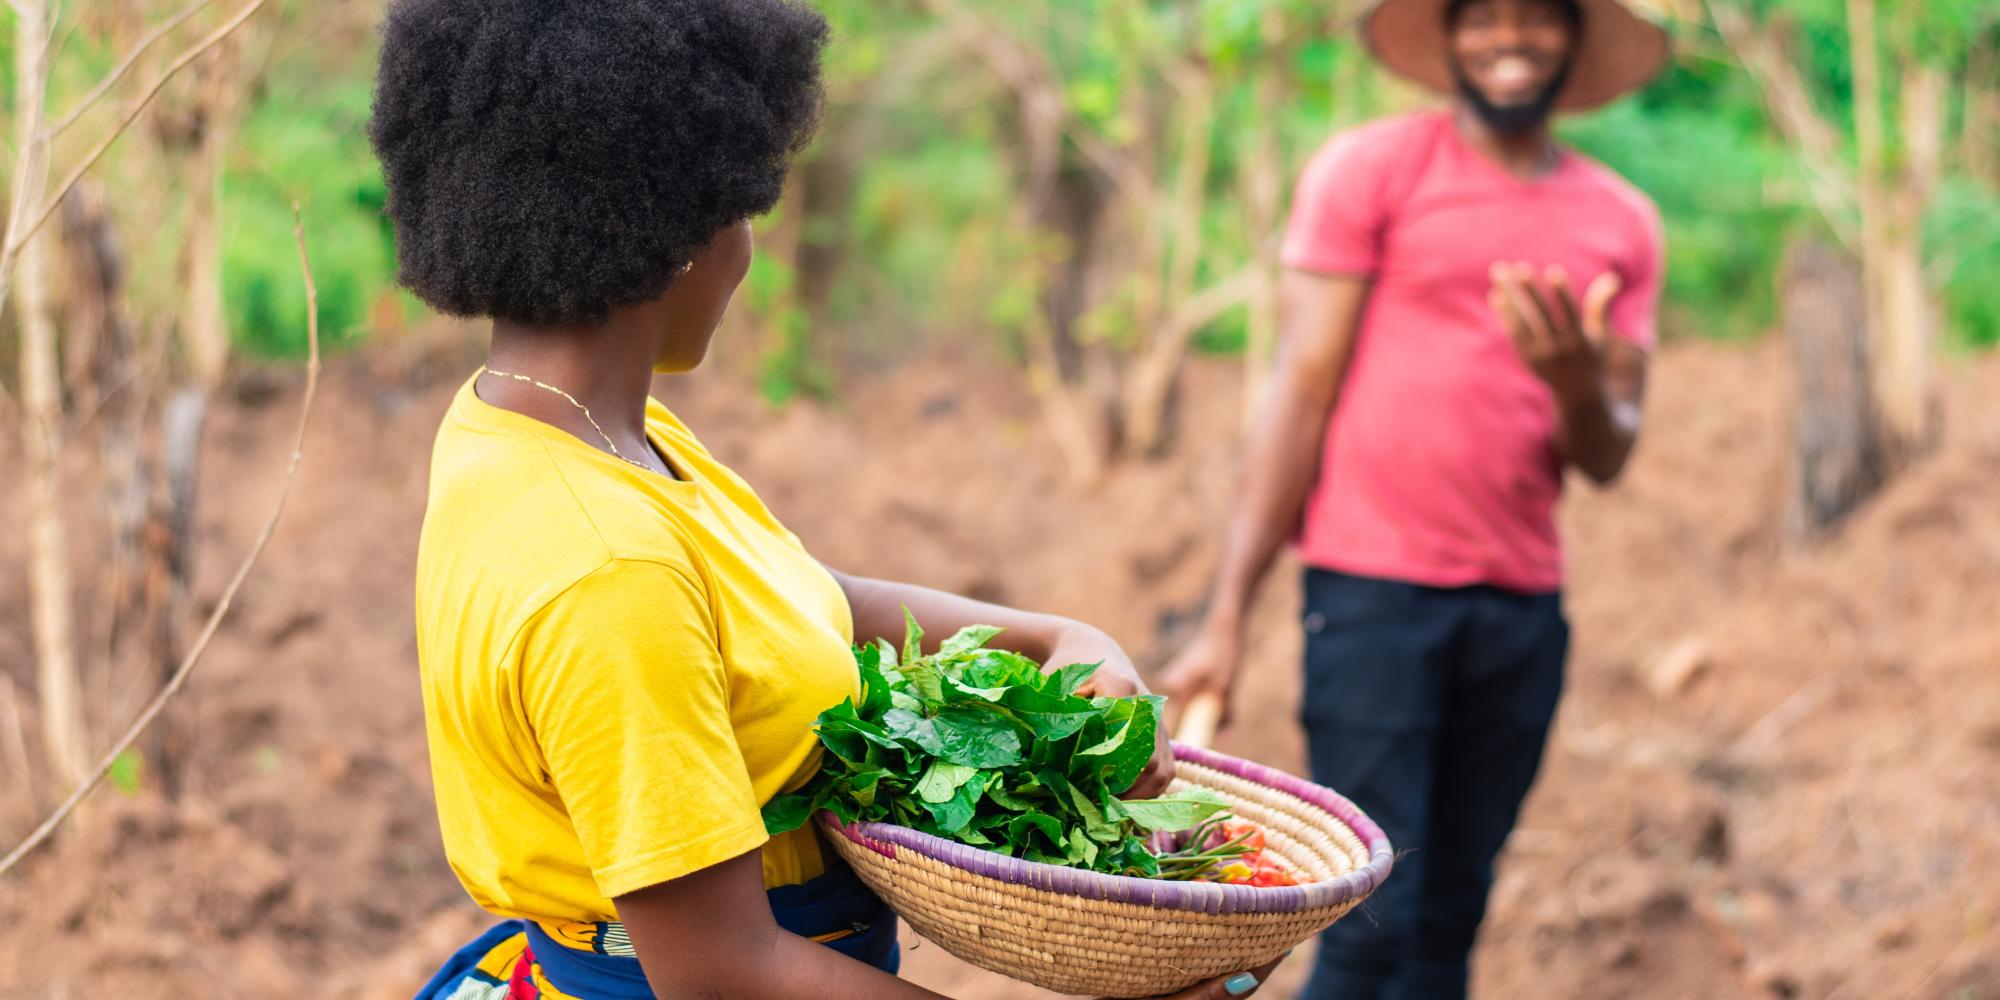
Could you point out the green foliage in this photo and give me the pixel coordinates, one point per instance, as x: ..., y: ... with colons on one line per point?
x: 1694, y: 144
x: 127, y: 771
x: 1964, y: 249
x: 311, y: 147
x: 981, y: 746
x: 935, y: 241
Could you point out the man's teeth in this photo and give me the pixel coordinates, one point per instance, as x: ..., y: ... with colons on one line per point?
x: 1512, y: 72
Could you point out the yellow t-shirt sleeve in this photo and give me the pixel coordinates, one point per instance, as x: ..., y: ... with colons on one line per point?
x: 627, y: 698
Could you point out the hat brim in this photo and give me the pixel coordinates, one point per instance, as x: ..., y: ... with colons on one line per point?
x: 1618, y: 51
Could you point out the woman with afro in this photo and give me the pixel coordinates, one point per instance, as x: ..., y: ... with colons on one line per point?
x: 622, y: 650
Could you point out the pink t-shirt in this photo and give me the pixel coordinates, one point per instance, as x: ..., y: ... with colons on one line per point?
x: 1440, y: 464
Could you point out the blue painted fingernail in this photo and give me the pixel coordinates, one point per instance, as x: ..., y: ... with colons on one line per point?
x: 1239, y: 984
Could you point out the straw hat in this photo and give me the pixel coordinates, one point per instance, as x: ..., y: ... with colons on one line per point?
x: 1618, y: 51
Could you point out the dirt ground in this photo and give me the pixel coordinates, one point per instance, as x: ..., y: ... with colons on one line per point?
x: 1773, y: 776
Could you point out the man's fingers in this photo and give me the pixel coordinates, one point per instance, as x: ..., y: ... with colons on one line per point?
x: 1513, y: 282
x: 1511, y: 319
x: 1562, y: 308
x: 1597, y: 305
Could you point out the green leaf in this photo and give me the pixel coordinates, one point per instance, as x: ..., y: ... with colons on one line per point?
x: 1179, y: 812
x: 127, y: 770
x: 1021, y: 827
x: 1008, y: 798
x: 913, y: 638
x: 943, y: 780
x: 849, y: 736
x: 1094, y: 822
x: 954, y: 813
x: 1004, y: 668
x: 1071, y: 677
x: 903, y: 724
x: 1132, y: 858
x: 787, y: 813
x: 1122, y: 757
x: 874, y: 686
x: 960, y: 691
x: 1053, y: 725
x: 968, y: 639
x: 1083, y: 850
x: 976, y: 739
x: 925, y: 681
x: 860, y: 785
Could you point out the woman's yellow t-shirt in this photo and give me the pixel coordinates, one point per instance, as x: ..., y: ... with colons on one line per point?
x: 619, y: 668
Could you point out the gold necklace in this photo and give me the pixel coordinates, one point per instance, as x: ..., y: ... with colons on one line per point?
x: 613, y: 445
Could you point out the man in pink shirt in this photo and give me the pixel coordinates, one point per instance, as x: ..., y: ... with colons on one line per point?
x: 1468, y: 309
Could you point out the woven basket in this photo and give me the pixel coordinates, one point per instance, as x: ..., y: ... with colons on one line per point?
x: 1081, y: 932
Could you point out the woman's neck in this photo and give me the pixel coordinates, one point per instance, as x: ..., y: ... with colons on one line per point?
x: 607, y: 369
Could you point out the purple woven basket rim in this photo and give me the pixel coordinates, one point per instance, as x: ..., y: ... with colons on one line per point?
x: 1203, y: 897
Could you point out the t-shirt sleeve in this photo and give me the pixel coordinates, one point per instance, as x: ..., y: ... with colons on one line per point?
x: 624, y: 687
x: 1338, y: 210
x: 1635, y: 313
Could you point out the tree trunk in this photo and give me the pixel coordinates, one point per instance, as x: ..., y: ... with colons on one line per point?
x: 170, y: 558
x: 1836, y: 456
x: 1900, y: 313
x: 1264, y: 183
x: 1979, y: 143
x: 41, y: 403
x: 1147, y: 397
x: 206, y: 328
x: 96, y: 313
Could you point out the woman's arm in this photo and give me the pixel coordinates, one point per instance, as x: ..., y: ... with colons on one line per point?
x: 711, y: 934
x: 1048, y: 639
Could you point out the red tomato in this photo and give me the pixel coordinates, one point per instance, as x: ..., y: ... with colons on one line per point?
x: 1235, y: 828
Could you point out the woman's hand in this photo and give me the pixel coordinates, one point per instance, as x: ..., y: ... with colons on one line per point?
x: 1075, y: 642
x: 1242, y: 984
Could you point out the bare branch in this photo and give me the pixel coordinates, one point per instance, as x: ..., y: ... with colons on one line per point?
x: 1209, y: 304
x: 1034, y: 81
x: 194, y: 654
x: 190, y: 55
x: 1788, y: 97
x: 118, y: 72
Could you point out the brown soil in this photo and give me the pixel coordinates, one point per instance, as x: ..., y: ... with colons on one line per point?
x: 1774, y: 775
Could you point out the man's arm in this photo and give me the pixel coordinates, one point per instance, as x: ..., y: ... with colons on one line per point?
x: 1599, y: 381
x: 1320, y: 316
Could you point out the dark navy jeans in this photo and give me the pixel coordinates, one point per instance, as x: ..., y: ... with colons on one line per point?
x: 1429, y: 708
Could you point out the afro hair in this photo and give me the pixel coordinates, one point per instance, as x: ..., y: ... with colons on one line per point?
x: 549, y: 160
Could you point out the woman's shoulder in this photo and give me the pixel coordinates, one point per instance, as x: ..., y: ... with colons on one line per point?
x: 519, y: 521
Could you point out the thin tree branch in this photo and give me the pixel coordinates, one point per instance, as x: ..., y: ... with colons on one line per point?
x: 1034, y: 79
x: 190, y: 55
x: 1815, y: 141
x: 1209, y: 304
x: 193, y: 658
x: 118, y: 73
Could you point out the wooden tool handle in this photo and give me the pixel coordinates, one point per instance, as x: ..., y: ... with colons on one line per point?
x: 1199, y: 720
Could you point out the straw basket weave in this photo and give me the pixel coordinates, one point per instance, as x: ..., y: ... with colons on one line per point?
x: 1081, y: 932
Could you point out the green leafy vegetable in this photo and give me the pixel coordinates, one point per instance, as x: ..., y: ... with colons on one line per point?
x: 982, y: 746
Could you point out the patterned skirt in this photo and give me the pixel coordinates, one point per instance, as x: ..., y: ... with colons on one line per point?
x: 524, y: 960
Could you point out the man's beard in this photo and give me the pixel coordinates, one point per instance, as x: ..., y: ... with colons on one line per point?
x: 1511, y: 118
